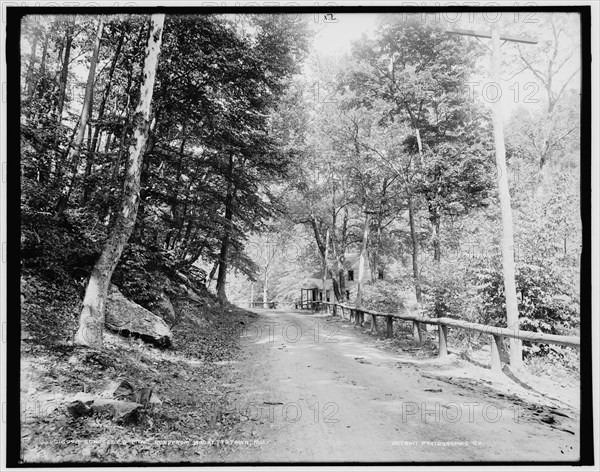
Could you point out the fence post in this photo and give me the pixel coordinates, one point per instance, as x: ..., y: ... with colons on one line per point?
x: 417, y: 332
x: 496, y: 353
x: 373, y: 324
x: 334, y: 310
x: 390, y: 327
x: 443, y: 351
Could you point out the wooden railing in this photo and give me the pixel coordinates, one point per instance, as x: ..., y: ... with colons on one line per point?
x: 358, y: 316
x: 271, y: 305
x: 307, y: 305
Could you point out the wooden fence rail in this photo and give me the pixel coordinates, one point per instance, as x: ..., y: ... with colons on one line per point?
x: 271, y: 305
x: 307, y: 305
x: 443, y: 323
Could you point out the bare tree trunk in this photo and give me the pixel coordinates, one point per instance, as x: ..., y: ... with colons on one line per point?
x: 342, y: 256
x: 73, y: 157
x: 375, y: 255
x: 265, y: 290
x: 91, y: 322
x: 64, y: 73
x: 415, y: 249
x: 508, y: 263
x: 361, y: 263
x: 41, y: 82
x: 435, y: 226
x: 222, y: 277
x: 379, y: 222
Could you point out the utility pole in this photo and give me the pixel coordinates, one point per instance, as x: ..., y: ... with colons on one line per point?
x: 508, y: 260
x: 325, y: 256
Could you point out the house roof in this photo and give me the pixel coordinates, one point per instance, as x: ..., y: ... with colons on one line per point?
x: 317, y: 283
x: 351, y: 262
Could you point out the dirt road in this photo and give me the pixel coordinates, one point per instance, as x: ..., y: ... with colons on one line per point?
x: 314, y: 388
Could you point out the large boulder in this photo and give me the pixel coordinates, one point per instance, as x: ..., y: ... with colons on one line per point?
x: 130, y: 319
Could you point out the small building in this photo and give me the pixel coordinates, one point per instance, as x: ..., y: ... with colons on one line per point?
x: 313, y: 289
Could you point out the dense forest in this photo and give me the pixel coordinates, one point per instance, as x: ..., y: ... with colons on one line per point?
x: 223, y: 152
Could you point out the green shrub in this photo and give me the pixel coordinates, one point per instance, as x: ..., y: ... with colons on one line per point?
x: 544, y: 304
x: 445, y: 292
x: 385, y: 296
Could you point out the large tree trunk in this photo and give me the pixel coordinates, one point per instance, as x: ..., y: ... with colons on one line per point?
x: 434, y: 218
x: 91, y: 322
x: 361, y: 263
x: 64, y: 73
x: 415, y: 249
x: 73, y: 156
x: 379, y: 222
x: 508, y: 263
x: 266, y: 290
x: 41, y: 82
x: 222, y: 277
x: 342, y: 255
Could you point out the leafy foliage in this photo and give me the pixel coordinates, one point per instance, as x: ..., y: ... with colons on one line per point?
x: 385, y: 296
x: 446, y: 292
x: 544, y: 306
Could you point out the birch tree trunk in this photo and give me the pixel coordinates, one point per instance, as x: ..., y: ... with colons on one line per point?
x: 91, y: 322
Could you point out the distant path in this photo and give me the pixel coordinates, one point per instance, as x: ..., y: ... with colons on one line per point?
x: 370, y: 403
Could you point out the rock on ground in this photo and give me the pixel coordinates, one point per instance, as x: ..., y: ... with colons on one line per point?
x: 130, y: 319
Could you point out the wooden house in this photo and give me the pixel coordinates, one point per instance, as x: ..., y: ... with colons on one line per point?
x: 313, y: 290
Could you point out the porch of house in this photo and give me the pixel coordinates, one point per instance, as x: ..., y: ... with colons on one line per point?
x: 314, y: 292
